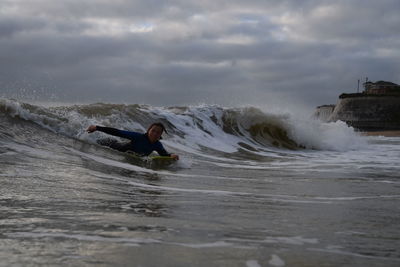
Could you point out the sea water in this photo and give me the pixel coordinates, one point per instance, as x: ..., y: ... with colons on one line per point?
x: 251, y: 189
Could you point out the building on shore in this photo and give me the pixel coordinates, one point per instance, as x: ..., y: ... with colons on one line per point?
x: 377, y: 108
x: 381, y: 88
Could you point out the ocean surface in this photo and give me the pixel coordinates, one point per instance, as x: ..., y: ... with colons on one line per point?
x: 252, y: 189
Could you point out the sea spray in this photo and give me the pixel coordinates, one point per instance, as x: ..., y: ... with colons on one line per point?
x: 314, y: 134
x: 227, y: 130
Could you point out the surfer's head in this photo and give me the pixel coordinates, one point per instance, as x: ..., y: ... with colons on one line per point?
x: 155, y: 131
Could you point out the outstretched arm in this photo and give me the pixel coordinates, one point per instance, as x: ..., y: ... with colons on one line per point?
x: 111, y: 131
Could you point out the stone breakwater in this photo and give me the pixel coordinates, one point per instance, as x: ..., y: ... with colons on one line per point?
x: 364, y: 112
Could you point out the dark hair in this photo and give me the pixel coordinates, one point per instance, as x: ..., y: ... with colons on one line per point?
x: 158, y: 124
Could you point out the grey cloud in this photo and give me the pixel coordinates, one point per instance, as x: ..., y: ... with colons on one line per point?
x: 11, y: 25
x: 195, y: 51
x: 358, y: 21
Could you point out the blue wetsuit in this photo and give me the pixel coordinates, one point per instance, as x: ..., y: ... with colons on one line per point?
x: 139, y: 144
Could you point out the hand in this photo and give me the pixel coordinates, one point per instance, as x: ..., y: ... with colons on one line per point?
x: 175, y: 157
x: 91, y: 129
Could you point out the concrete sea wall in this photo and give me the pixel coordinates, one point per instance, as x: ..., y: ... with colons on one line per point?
x: 368, y: 112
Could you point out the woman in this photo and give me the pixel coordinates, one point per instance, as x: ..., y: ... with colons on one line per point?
x: 142, y: 144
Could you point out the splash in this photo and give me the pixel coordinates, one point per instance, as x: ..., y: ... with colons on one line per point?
x: 196, y: 129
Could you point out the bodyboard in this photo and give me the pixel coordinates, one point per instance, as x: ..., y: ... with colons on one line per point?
x: 151, y: 161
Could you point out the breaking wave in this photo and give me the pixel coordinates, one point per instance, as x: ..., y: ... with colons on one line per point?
x: 204, y: 128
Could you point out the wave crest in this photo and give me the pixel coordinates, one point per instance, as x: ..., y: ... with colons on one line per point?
x: 205, y: 127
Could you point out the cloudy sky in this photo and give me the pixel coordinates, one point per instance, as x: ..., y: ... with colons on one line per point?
x: 178, y: 52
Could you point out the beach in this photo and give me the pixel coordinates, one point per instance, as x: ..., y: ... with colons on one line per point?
x: 382, y: 133
x: 251, y: 189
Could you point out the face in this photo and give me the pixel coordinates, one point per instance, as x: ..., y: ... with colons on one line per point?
x: 154, y: 133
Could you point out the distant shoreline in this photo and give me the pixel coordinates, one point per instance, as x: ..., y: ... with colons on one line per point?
x: 382, y: 133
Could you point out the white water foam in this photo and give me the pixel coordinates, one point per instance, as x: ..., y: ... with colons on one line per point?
x: 336, y: 136
x: 211, y: 135
x: 252, y: 263
x: 276, y: 261
x: 196, y: 127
